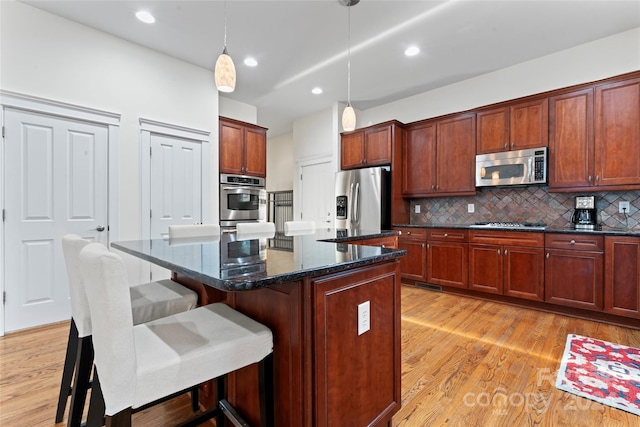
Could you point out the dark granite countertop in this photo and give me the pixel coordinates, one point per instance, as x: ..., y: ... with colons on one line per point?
x: 230, y: 264
x: 603, y: 230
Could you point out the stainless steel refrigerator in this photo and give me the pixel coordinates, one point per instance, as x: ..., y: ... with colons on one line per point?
x: 363, y: 199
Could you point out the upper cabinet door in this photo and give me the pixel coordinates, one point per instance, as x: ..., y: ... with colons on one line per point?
x: 231, y: 150
x: 256, y: 152
x: 455, y: 155
x: 617, y: 134
x: 492, y: 134
x: 352, y: 150
x: 377, y: 146
x: 529, y: 124
x: 571, y: 149
x: 419, y: 160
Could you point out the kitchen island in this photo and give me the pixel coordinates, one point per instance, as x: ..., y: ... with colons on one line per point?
x: 329, y: 370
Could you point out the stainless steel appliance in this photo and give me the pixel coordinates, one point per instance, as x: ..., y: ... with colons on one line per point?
x: 585, y: 214
x: 242, y: 199
x: 511, y: 225
x: 516, y: 167
x: 363, y: 199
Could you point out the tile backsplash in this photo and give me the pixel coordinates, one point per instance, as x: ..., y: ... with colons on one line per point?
x: 530, y: 204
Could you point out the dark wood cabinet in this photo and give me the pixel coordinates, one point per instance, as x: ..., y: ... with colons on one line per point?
x: 419, y: 159
x: 513, y: 127
x: 367, y: 147
x: 617, y: 134
x: 356, y: 376
x: 622, y: 276
x: 440, y: 166
x: 507, y: 263
x: 574, y: 270
x: 413, y: 266
x: 242, y: 148
x: 594, y: 136
x: 448, y: 257
x: 571, y: 145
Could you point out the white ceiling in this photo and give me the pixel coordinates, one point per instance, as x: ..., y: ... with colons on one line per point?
x: 301, y: 44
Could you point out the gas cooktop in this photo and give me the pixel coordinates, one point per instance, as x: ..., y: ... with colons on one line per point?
x: 528, y: 225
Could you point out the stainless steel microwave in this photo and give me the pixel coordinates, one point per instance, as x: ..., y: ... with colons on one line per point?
x: 518, y: 167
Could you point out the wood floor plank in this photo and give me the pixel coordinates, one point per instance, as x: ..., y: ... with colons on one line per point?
x: 465, y: 362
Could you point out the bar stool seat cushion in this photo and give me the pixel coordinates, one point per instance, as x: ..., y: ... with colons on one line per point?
x: 151, y: 301
x: 183, y: 350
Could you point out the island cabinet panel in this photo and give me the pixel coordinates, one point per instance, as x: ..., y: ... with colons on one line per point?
x: 622, y: 276
x: 571, y: 145
x: 448, y: 257
x: 574, y: 265
x: 413, y: 266
x: 617, y: 132
x: 507, y: 263
x: 242, y: 148
x: 356, y: 375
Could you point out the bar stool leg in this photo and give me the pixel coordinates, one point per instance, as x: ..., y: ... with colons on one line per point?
x: 95, y: 417
x: 82, y: 380
x: 67, y: 372
x: 266, y: 388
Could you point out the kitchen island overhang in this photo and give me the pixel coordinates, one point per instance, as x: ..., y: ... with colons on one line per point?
x: 327, y: 371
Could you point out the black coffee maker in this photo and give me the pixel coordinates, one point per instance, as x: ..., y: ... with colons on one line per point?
x: 585, y: 215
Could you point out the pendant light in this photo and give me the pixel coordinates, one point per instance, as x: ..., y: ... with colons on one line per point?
x: 225, y: 71
x: 349, y: 114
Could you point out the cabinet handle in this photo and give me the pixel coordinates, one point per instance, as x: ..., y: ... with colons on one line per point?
x: 573, y: 242
x: 597, y: 178
x: 408, y: 233
x: 427, y: 246
x: 505, y: 145
x: 505, y: 252
x: 382, y: 245
x: 433, y: 187
x: 423, y: 245
x: 498, y: 251
x: 446, y: 234
x: 547, y: 255
x: 437, y: 187
x: 589, y: 179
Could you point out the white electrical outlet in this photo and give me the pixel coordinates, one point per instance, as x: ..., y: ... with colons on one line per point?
x: 623, y: 207
x: 417, y: 208
x: 471, y: 208
x: 364, y: 321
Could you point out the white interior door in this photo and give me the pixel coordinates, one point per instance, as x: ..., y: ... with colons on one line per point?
x: 175, y: 182
x: 55, y: 183
x: 317, y: 193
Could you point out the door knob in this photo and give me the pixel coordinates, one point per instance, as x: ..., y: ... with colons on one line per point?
x: 100, y: 228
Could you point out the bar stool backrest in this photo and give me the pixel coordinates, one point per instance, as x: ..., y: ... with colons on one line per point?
x: 72, y: 244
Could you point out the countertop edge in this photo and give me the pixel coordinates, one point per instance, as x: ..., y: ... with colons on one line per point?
x: 602, y: 231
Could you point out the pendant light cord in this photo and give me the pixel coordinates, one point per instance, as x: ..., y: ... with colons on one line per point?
x: 225, y: 25
x: 349, y: 57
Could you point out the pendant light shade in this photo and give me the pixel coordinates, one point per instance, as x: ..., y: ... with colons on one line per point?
x: 348, y: 118
x: 225, y: 72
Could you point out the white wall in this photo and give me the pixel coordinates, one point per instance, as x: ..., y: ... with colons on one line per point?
x: 50, y: 57
x: 610, y: 56
x: 237, y: 110
x: 280, y: 164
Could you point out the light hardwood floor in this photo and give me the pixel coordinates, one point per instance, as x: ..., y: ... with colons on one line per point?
x: 465, y: 362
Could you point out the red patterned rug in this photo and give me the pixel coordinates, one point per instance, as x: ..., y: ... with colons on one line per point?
x: 601, y: 371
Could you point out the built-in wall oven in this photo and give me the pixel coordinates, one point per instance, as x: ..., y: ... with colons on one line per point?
x: 242, y: 199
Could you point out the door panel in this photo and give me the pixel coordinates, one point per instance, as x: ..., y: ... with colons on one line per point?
x: 175, y: 187
x: 56, y: 175
x: 317, y: 195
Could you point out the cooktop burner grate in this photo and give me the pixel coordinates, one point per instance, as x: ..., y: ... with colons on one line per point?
x: 511, y: 224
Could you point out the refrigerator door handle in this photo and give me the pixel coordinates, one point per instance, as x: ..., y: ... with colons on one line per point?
x: 356, y: 204
x: 350, y: 213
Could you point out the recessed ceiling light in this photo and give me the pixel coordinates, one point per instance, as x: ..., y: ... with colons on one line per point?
x: 412, y: 51
x: 316, y: 91
x: 250, y: 62
x: 145, y: 17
